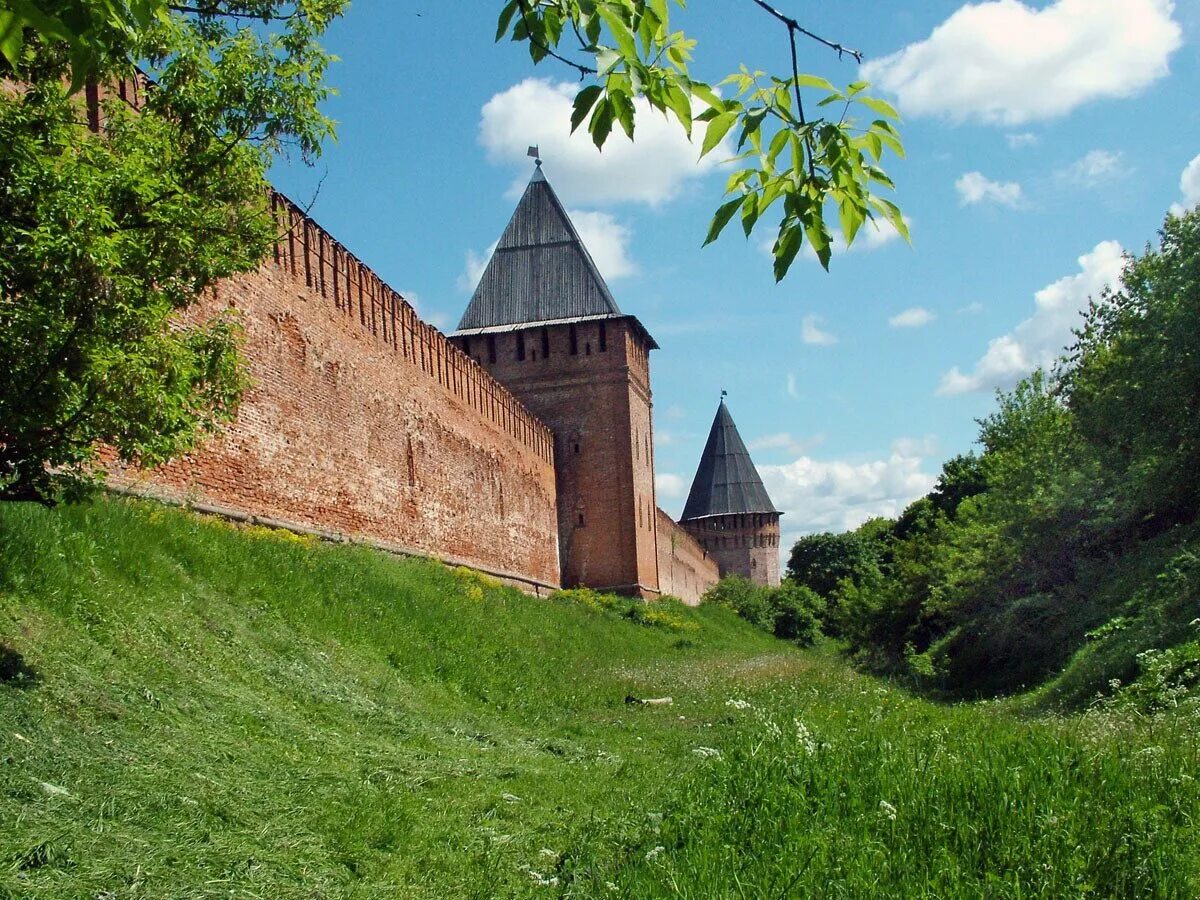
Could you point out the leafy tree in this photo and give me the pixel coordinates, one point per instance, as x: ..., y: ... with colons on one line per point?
x: 798, y: 612
x: 107, y: 238
x: 820, y: 561
x: 1133, y: 381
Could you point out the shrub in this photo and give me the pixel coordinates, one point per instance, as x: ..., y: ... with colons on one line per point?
x: 797, y: 611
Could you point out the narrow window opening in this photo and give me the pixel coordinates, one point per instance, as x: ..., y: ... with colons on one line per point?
x: 587, y: 349
x: 491, y: 348
x: 466, y: 346
x: 520, y: 346
x: 603, y: 337
x: 581, y: 519
x: 545, y: 343
x: 577, y: 446
x: 574, y: 340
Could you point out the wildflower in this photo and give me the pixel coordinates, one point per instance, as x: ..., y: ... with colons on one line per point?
x: 548, y: 853
x: 738, y: 704
x: 653, y: 854
x: 543, y: 880
x: 804, y: 737
x: 610, y: 885
x: 887, y: 810
x: 707, y: 752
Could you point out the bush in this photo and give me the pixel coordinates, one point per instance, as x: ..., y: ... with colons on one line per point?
x: 791, y: 612
x: 798, y: 612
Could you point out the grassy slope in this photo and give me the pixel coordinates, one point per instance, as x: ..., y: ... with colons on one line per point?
x: 238, y: 712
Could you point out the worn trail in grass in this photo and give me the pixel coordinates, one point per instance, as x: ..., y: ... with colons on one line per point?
x: 210, y: 711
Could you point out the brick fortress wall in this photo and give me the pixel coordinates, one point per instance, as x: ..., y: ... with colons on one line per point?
x: 364, y: 421
x: 685, y: 570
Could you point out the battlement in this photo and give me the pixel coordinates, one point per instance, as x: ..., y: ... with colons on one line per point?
x: 306, y: 250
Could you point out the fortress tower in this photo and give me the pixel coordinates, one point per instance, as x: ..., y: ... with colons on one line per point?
x: 544, y: 324
x: 728, y: 511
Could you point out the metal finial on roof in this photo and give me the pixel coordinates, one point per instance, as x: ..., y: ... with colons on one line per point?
x: 536, y: 154
x: 724, y: 394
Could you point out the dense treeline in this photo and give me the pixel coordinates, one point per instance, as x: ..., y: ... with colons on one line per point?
x: 1067, y: 550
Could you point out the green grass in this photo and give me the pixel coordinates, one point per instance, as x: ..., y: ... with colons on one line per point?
x: 211, y: 711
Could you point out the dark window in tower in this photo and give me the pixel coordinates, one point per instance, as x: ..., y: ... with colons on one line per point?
x: 577, y: 446
x: 574, y: 340
x: 587, y: 349
x: 466, y: 346
x: 603, y: 338
x: 581, y: 520
x: 520, y: 346
x: 491, y: 348
x: 545, y: 343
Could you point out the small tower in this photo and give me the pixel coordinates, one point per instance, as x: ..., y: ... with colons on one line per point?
x: 728, y: 510
x: 544, y: 324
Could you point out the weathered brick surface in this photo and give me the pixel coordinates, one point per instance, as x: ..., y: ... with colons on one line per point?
x: 685, y: 570
x: 590, y: 383
x: 746, y: 544
x: 366, y: 421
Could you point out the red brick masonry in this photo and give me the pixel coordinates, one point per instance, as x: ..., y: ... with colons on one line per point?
x: 684, y: 569
x: 364, y: 421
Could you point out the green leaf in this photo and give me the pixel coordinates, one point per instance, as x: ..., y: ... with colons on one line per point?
x: 505, y: 20
x: 681, y: 104
x: 601, y: 122
x: 717, y: 129
x: 584, y: 101
x: 622, y: 105
x: 723, y: 214
x: 749, y: 213
x: 787, y: 245
x: 814, y: 81
x: 879, y: 106
x: 12, y: 37
x: 620, y: 32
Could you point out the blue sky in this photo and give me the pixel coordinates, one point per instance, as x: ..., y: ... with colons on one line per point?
x: 1043, y: 138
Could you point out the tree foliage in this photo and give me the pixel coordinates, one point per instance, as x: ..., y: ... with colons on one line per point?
x: 109, y: 237
x: 791, y: 611
x: 1072, y: 537
x: 790, y: 164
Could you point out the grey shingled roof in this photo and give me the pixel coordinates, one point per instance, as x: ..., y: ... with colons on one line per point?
x: 726, y: 481
x: 540, y: 270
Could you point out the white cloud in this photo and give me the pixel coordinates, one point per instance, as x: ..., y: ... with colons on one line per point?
x: 668, y: 486
x: 1022, y: 139
x: 473, y: 268
x: 973, y: 308
x: 607, y: 240
x: 812, y: 333
x: 787, y: 443
x: 1040, y: 339
x: 652, y: 169
x: 790, y: 386
x: 1004, y: 62
x: 975, y: 187
x: 1189, y: 185
x: 675, y: 412
x: 835, y: 495
x: 914, y: 317
x: 1093, y: 168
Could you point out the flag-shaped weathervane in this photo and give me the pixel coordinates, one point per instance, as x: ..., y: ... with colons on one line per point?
x: 535, y: 153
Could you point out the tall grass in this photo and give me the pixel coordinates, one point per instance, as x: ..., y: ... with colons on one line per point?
x: 205, y: 710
